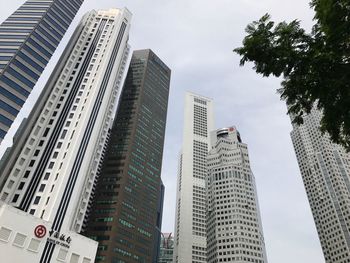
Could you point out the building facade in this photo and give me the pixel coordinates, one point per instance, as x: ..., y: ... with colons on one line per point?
x: 51, y: 170
x: 28, y: 38
x: 158, y: 227
x: 234, y: 229
x: 126, y: 216
x: 190, y: 223
x: 166, y: 248
x: 325, y: 169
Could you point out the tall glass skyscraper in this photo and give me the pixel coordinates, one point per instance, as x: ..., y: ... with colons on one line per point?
x: 28, y: 38
x: 51, y: 170
x: 325, y: 169
x: 126, y: 214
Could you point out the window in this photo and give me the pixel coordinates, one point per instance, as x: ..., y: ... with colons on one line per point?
x: 10, y: 184
x: 37, y: 129
x: 31, y: 164
x: 63, y: 134
x: 36, y: 200
x: 47, y: 175
x: 27, y: 150
x: 34, y: 245
x: 41, y: 188
x: 15, y: 198
x: 51, y: 165
x: 46, y: 132
x: 26, y: 174
x: 21, y: 185
x: 19, y: 240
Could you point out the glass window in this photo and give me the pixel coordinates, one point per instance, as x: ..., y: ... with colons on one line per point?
x: 36, y: 200
x: 20, y: 77
x: 35, y: 54
x: 55, y: 24
x: 44, y: 41
x: 51, y: 165
x: 38, y: 47
x: 5, y: 120
x: 8, y: 50
x: 56, y: 10
x: 26, y: 174
x: 2, y: 133
x: 15, y: 86
x: 46, y: 132
x: 47, y: 176
x: 8, y: 108
x: 31, y: 164
x: 5, y: 58
x: 20, y: 30
x: 41, y: 188
x: 63, y: 134
x: 31, y: 62
x: 44, y: 29
x: 15, y: 198
x: 21, y: 185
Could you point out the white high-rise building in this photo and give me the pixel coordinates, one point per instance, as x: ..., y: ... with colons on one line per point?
x: 325, y: 169
x: 190, y: 226
x: 49, y: 175
x: 234, y: 229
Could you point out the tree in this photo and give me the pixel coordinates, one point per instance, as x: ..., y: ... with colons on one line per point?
x: 315, y: 66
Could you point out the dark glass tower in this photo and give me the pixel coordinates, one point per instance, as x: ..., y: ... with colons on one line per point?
x: 28, y: 38
x: 126, y: 214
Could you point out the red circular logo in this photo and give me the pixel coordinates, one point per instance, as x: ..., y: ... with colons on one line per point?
x: 40, y: 231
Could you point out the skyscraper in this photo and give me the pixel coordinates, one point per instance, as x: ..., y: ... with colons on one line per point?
x: 51, y: 170
x: 28, y: 38
x: 190, y: 224
x: 234, y: 229
x: 126, y: 214
x: 325, y: 169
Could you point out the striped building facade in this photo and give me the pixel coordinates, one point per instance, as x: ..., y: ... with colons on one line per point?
x: 28, y: 38
x: 51, y: 170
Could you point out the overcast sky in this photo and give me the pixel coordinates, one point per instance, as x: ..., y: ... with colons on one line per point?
x: 195, y: 39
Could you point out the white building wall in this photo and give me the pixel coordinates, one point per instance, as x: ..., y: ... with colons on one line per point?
x: 19, y: 243
x: 325, y: 169
x: 234, y: 229
x: 60, y: 187
x: 190, y: 234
